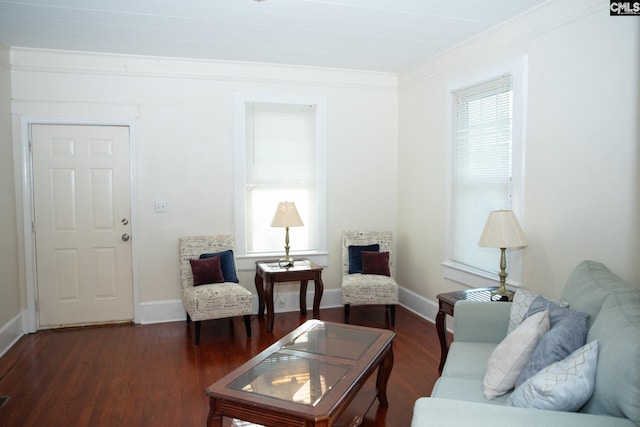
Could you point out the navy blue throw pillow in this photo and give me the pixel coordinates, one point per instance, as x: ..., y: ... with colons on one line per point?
x: 355, y: 256
x: 227, y: 263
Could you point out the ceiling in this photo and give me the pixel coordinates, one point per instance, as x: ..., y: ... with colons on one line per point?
x: 374, y: 35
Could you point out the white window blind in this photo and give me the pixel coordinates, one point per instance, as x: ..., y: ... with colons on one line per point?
x: 280, y: 166
x: 481, y: 169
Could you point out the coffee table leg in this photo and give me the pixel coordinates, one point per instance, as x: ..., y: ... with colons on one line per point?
x: 384, y: 372
x: 215, y: 417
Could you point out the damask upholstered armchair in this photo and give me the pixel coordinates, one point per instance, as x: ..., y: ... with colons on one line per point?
x: 367, y: 271
x: 210, y: 288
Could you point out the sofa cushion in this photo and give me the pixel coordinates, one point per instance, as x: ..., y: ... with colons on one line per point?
x: 468, y: 389
x: 588, y: 286
x: 562, y: 386
x: 617, y: 329
x: 567, y: 334
x: 429, y: 411
x: 510, y: 356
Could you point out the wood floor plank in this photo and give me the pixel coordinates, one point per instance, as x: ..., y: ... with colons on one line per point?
x: 144, y: 375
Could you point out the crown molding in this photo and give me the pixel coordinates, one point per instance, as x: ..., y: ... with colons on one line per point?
x: 91, y: 63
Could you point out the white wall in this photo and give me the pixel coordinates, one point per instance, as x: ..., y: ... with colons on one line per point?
x: 10, y: 313
x: 182, y: 115
x: 582, y: 156
x: 387, y: 145
x: 9, y: 296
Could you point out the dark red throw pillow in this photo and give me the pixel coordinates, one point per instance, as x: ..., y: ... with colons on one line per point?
x: 207, y: 270
x: 375, y: 263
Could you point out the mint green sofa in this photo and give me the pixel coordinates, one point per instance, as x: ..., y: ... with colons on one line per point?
x: 614, y: 320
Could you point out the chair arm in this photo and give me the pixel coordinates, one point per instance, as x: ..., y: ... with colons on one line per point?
x: 477, y: 321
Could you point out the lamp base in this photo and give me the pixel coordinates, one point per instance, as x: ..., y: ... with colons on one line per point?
x: 501, y: 294
x: 286, y: 262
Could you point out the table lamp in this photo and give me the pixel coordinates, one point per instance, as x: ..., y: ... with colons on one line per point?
x: 503, y: 231
x: 286, y: 216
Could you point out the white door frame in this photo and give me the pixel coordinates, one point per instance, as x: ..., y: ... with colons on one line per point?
x: 28, y: 206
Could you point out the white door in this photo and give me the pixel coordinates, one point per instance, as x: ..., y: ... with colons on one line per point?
x: 82, y: 224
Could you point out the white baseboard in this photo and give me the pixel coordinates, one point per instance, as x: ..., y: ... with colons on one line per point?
x: 172, y: 310
x: 11, y: 332
x: 418, y: 304
x: 422, y: 306
x: 160, y: 312
x: 289, y: 301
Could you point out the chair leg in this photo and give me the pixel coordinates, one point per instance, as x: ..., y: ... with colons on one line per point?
x: 347, y: 309
x: 188, y: 318
x: 247, y: 325
x: 392, y: 314
x: 197, y: 337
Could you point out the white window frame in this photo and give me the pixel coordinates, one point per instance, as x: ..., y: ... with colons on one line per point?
x: 517, y: 68
x: 247, y: 261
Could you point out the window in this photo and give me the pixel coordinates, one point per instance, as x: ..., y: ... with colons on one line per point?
x: 279, y: 150
x: 486, y: 165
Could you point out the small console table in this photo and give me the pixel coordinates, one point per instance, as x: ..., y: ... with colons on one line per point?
x: 446, y: 302
x: 270, y: 272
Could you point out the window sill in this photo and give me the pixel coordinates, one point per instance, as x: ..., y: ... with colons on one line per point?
x: 472, y: 278
x: 248, y: 262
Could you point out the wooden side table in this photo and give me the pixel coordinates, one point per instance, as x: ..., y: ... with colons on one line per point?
x: 446, y: 302
x: 269, y: 272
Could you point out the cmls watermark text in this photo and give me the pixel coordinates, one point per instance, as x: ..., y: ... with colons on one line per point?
x: 619, y: 8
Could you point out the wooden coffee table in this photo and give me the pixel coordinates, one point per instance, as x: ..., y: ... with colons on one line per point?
x: 307, y: 378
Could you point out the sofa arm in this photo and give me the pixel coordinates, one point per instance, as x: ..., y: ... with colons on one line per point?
x: 481, y: 321
x: 430, y: 411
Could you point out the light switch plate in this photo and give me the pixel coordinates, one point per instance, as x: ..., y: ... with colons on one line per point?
x: 161, y: 206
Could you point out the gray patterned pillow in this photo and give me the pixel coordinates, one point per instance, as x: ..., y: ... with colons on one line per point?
x: 522, y: 300
x: 562, y: 386
x: 568, y: 333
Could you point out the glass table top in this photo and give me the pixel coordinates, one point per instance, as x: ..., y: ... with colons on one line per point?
x: 298, y: 265
x: 334, y: 340
x: 294, y: 374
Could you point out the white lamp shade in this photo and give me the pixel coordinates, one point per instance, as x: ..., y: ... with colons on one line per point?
x: 502, y: 230
x: 286, y: 216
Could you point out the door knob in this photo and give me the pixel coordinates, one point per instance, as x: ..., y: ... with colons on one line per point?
x: 125, y: 237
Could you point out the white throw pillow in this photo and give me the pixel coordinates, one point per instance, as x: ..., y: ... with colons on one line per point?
x: 510, y: 356
x: 520, y: 305
x: 562, y: 386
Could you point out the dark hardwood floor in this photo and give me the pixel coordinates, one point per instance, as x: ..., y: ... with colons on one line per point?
x: 154, y: 375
